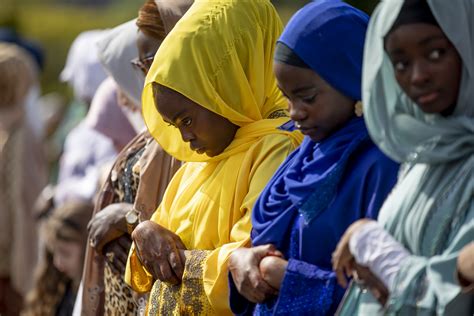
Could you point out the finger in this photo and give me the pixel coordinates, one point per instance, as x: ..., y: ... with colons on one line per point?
x: 176, y: 263
x: 265, y: 288
x: 341, y: 278
x: 167, y: 273
x: 276, y: 253
x: 347, y: 270
x: 259, y: 285
x: 119, y: 266
x: 121, y: 255
x: 89, y: 225
x: 178, y: 242
x: 252, y: 295
x: 125, y: 242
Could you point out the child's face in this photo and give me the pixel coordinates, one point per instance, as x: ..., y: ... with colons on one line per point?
x: 316, y: 107
x: 427, y: 66
x: 68, y: 258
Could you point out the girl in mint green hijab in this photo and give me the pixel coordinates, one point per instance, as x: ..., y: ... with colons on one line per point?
x: 418, y: 94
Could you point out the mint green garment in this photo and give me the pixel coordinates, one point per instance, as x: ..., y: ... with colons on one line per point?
x: 431, y: 210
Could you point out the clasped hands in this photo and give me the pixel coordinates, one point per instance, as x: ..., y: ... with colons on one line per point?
x: 257, y: 272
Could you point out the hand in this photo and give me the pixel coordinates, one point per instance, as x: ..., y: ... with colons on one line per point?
x: 342, y: 258
x: 367, y: 279
x: 108, y: 224
x: 116, y: 253
x: 465, y: 265
x: 244, y: 267
x: 273, y: 270
x: 160, y: 251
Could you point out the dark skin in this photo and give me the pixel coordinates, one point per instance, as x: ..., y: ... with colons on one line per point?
x: 428, y: 69
x: 427, y: 66
x: 160, y: 250
x: 205, y: 131
x: 314, y: 104
x: 320, y: 110
x: 106, y: 230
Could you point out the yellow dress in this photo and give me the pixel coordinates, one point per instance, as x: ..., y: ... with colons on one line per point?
x: 220, y: 56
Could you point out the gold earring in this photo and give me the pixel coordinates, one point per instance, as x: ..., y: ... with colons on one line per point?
x: 358, y: 110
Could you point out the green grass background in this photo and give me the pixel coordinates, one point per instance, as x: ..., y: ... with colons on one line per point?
x: 55, y: 25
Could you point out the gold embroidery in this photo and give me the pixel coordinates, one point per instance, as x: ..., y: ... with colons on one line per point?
x: 189, y: 297
x: 278, y: 113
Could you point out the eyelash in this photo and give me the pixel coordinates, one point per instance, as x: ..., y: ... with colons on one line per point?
x: 402, y: 65
x: 186, y: 122
x: 310, y: 99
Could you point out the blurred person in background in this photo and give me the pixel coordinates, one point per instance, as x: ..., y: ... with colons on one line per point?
x: 59, y: 271
x: 83, y: 73
x: 34, y: 50
x: 23, y: 174
x: 91, y: 145
x: 141, y: 172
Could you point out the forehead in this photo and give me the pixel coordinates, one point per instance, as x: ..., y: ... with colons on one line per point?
x: 170, y: 103
x: 293, y: 76
x: 412, y: 36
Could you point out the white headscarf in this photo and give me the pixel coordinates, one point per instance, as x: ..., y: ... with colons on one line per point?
x: 116, y: 50
x: 83, y: 71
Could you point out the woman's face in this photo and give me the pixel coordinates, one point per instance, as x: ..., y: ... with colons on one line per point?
x: 317, y: 108
x: 205, y: 131
x: 68, y: 258
x: 427, y: 66
x: 147, y: 47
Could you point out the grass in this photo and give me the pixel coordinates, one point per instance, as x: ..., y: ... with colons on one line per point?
x: 55, y: 27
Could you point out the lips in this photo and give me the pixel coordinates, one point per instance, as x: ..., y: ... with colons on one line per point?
x: 427, y: 98
x: 199, y: 150
x: 308, y: 130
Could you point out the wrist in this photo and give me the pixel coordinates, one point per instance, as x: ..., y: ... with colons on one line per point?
x: 131, y: 220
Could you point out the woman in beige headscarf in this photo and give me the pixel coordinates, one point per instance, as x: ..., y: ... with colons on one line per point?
x: 22, y: 177
x: 140, y: 174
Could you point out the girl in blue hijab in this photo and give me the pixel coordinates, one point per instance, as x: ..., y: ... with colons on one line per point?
x: 334, y: 178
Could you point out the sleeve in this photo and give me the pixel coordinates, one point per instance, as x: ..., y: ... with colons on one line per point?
x: 269, y: 155
x: 373, y: 247
x: 424, y: 283
x: 306, y: 289
x: 210, y: 275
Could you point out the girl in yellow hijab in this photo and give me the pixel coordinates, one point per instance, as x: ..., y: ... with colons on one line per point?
x: 212, y: 86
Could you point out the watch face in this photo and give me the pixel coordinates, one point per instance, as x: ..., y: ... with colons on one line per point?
x: 131, y: 217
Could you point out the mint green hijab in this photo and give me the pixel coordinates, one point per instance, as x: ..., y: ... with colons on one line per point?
x: 431, y: 209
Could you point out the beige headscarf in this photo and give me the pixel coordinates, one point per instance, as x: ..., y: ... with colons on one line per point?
x: 22, y: 169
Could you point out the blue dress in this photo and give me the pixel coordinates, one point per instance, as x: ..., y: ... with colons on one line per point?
x: 306, y: 207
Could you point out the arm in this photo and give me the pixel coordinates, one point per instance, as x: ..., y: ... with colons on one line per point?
x: 414, y: 282
x: 314, y: 288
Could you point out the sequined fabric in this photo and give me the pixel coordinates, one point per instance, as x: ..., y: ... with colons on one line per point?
x: 187, y: 298
x: 118, y: 298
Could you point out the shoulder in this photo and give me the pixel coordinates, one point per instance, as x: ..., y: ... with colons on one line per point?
x: 369, y: 156
x: 273, y: 143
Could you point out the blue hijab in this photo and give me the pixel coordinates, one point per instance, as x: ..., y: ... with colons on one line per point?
x: 328, y: 36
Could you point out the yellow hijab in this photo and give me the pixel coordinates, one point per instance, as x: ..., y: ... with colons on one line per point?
x: 222, y: 60
x: 220, y: 56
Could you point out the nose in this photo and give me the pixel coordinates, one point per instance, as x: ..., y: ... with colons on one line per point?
x: 419, y: 73
x: 187, y: 135
x: 297, y: 111
x: 58, y: 262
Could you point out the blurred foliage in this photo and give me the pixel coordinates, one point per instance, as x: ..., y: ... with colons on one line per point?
x: 55, y: 24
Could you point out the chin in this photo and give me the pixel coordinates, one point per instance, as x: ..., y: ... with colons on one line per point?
x: 436, y: 108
